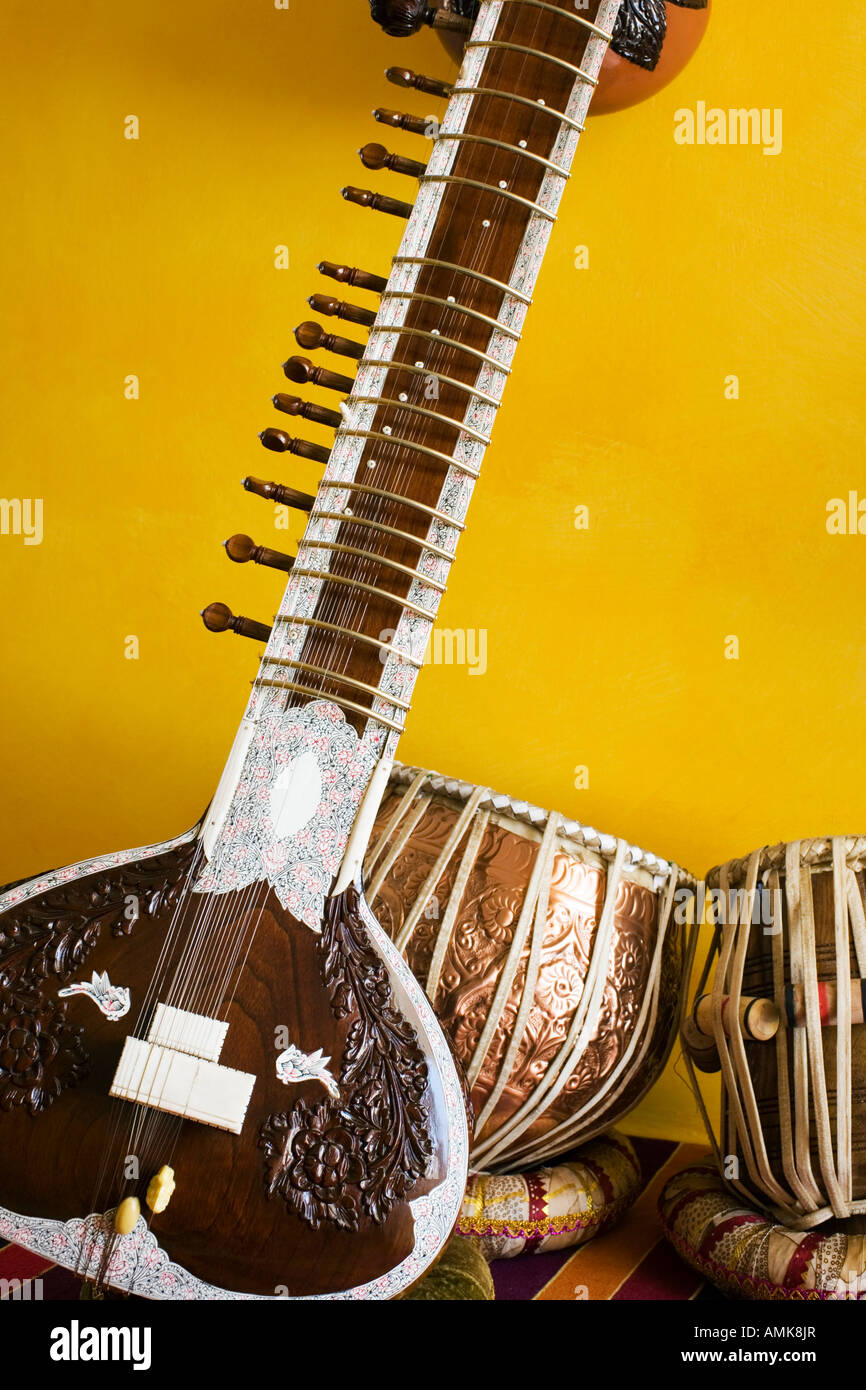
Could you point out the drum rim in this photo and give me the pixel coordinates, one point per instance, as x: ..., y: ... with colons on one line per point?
x: 816, y: 852
x: 536, y: 817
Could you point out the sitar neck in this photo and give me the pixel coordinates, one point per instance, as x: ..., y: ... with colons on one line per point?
x: 375, y: 557
x: 364, y: 591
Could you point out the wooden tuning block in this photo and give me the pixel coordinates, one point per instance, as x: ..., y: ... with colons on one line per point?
x: 401, y: 120
x: 243, y: 549
x: 376, y: 157
x: 377, y: 202
x: 303, y: 373
x: 307, y: 410
x: 219, y: 618
x: 311, y: 336
x: 352, y: 275
x: 281, y: 443
x: 279, y: 493
x: 405, y: 77
x: 332, y: 308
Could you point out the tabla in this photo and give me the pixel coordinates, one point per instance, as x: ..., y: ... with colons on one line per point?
x: 554, y: 955
x: 790, y: 940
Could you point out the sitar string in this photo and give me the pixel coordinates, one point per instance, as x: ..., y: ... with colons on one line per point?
x: 214, y: 934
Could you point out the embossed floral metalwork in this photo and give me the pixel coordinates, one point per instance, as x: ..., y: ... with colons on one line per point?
x: 480, y: 943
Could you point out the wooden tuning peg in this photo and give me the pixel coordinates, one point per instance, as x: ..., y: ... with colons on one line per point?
x: 278, y: 492
x: 351, y: 275
x: 311, y: 335
x: 218, y: 618
x: 405, y: 77
x: 307, y: 410
x: 242, y: 549
x: 338, y: 309
x: 377, y: 202
x: 302, y: 372
x: 281, y: 443
x: 377, y: 157
x: 401, y: 120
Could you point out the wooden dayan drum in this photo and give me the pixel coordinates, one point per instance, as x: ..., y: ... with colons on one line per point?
x: 790, y: 931
x: 553, y: 955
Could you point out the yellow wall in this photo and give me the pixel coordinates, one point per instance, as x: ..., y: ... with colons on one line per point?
x: 605, y: 647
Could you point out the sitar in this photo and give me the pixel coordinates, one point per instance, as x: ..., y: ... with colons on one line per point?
x: 218, y: 1078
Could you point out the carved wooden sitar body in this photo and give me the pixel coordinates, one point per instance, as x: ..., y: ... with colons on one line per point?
x: 217, y: 1076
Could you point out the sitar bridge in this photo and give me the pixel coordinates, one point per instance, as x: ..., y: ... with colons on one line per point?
x: 177, y: 1070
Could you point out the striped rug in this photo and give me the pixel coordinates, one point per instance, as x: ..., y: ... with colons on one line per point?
x: 631, y: 1262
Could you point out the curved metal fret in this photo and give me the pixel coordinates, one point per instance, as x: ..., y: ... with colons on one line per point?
x: 368, y: 588
x: 339, y: 549
x: 576, y: 72
x: 337, y: 700
x: 313, y: 679
x: 464, y: 269
x: 428, y: 372
x: 489, y: 188
x: 337, y: 631
x: 370, y: 491
x: 566, y: 14
x: 406, y: 536
x: 534, y: 102
x: 453, y: 306
x: 466, y: 137
x: 419, y: 449
x: 341, y: 679
x: 406, y: 330
x: 422, y: 410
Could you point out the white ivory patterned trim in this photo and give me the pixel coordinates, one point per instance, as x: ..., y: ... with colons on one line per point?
x: 141, y: 1267
x: 43, y: 883
x: 302, y: 592
x: 412, y: 632
x: 302, y: 781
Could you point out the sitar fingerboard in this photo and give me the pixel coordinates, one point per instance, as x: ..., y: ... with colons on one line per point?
x: 376, y: 554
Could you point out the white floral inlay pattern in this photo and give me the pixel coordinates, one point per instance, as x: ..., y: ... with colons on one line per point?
x: 301, y: 865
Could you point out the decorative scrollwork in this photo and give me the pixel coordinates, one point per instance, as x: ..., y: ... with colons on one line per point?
x: 641, y: 28
x: 40, y: 1054
x: 638, y: 35
x: 46, y: 939
x: 52, y: 934
x: 342, y: 1160
x: 401, y: 18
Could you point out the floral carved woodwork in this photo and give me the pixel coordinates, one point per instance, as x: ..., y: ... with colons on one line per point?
x: 642, y: 26
x: 359, y: 1154
x: 42, y: 942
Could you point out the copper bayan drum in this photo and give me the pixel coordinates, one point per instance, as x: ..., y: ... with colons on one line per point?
x: 783, y: 1023
x: 555, y: 956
